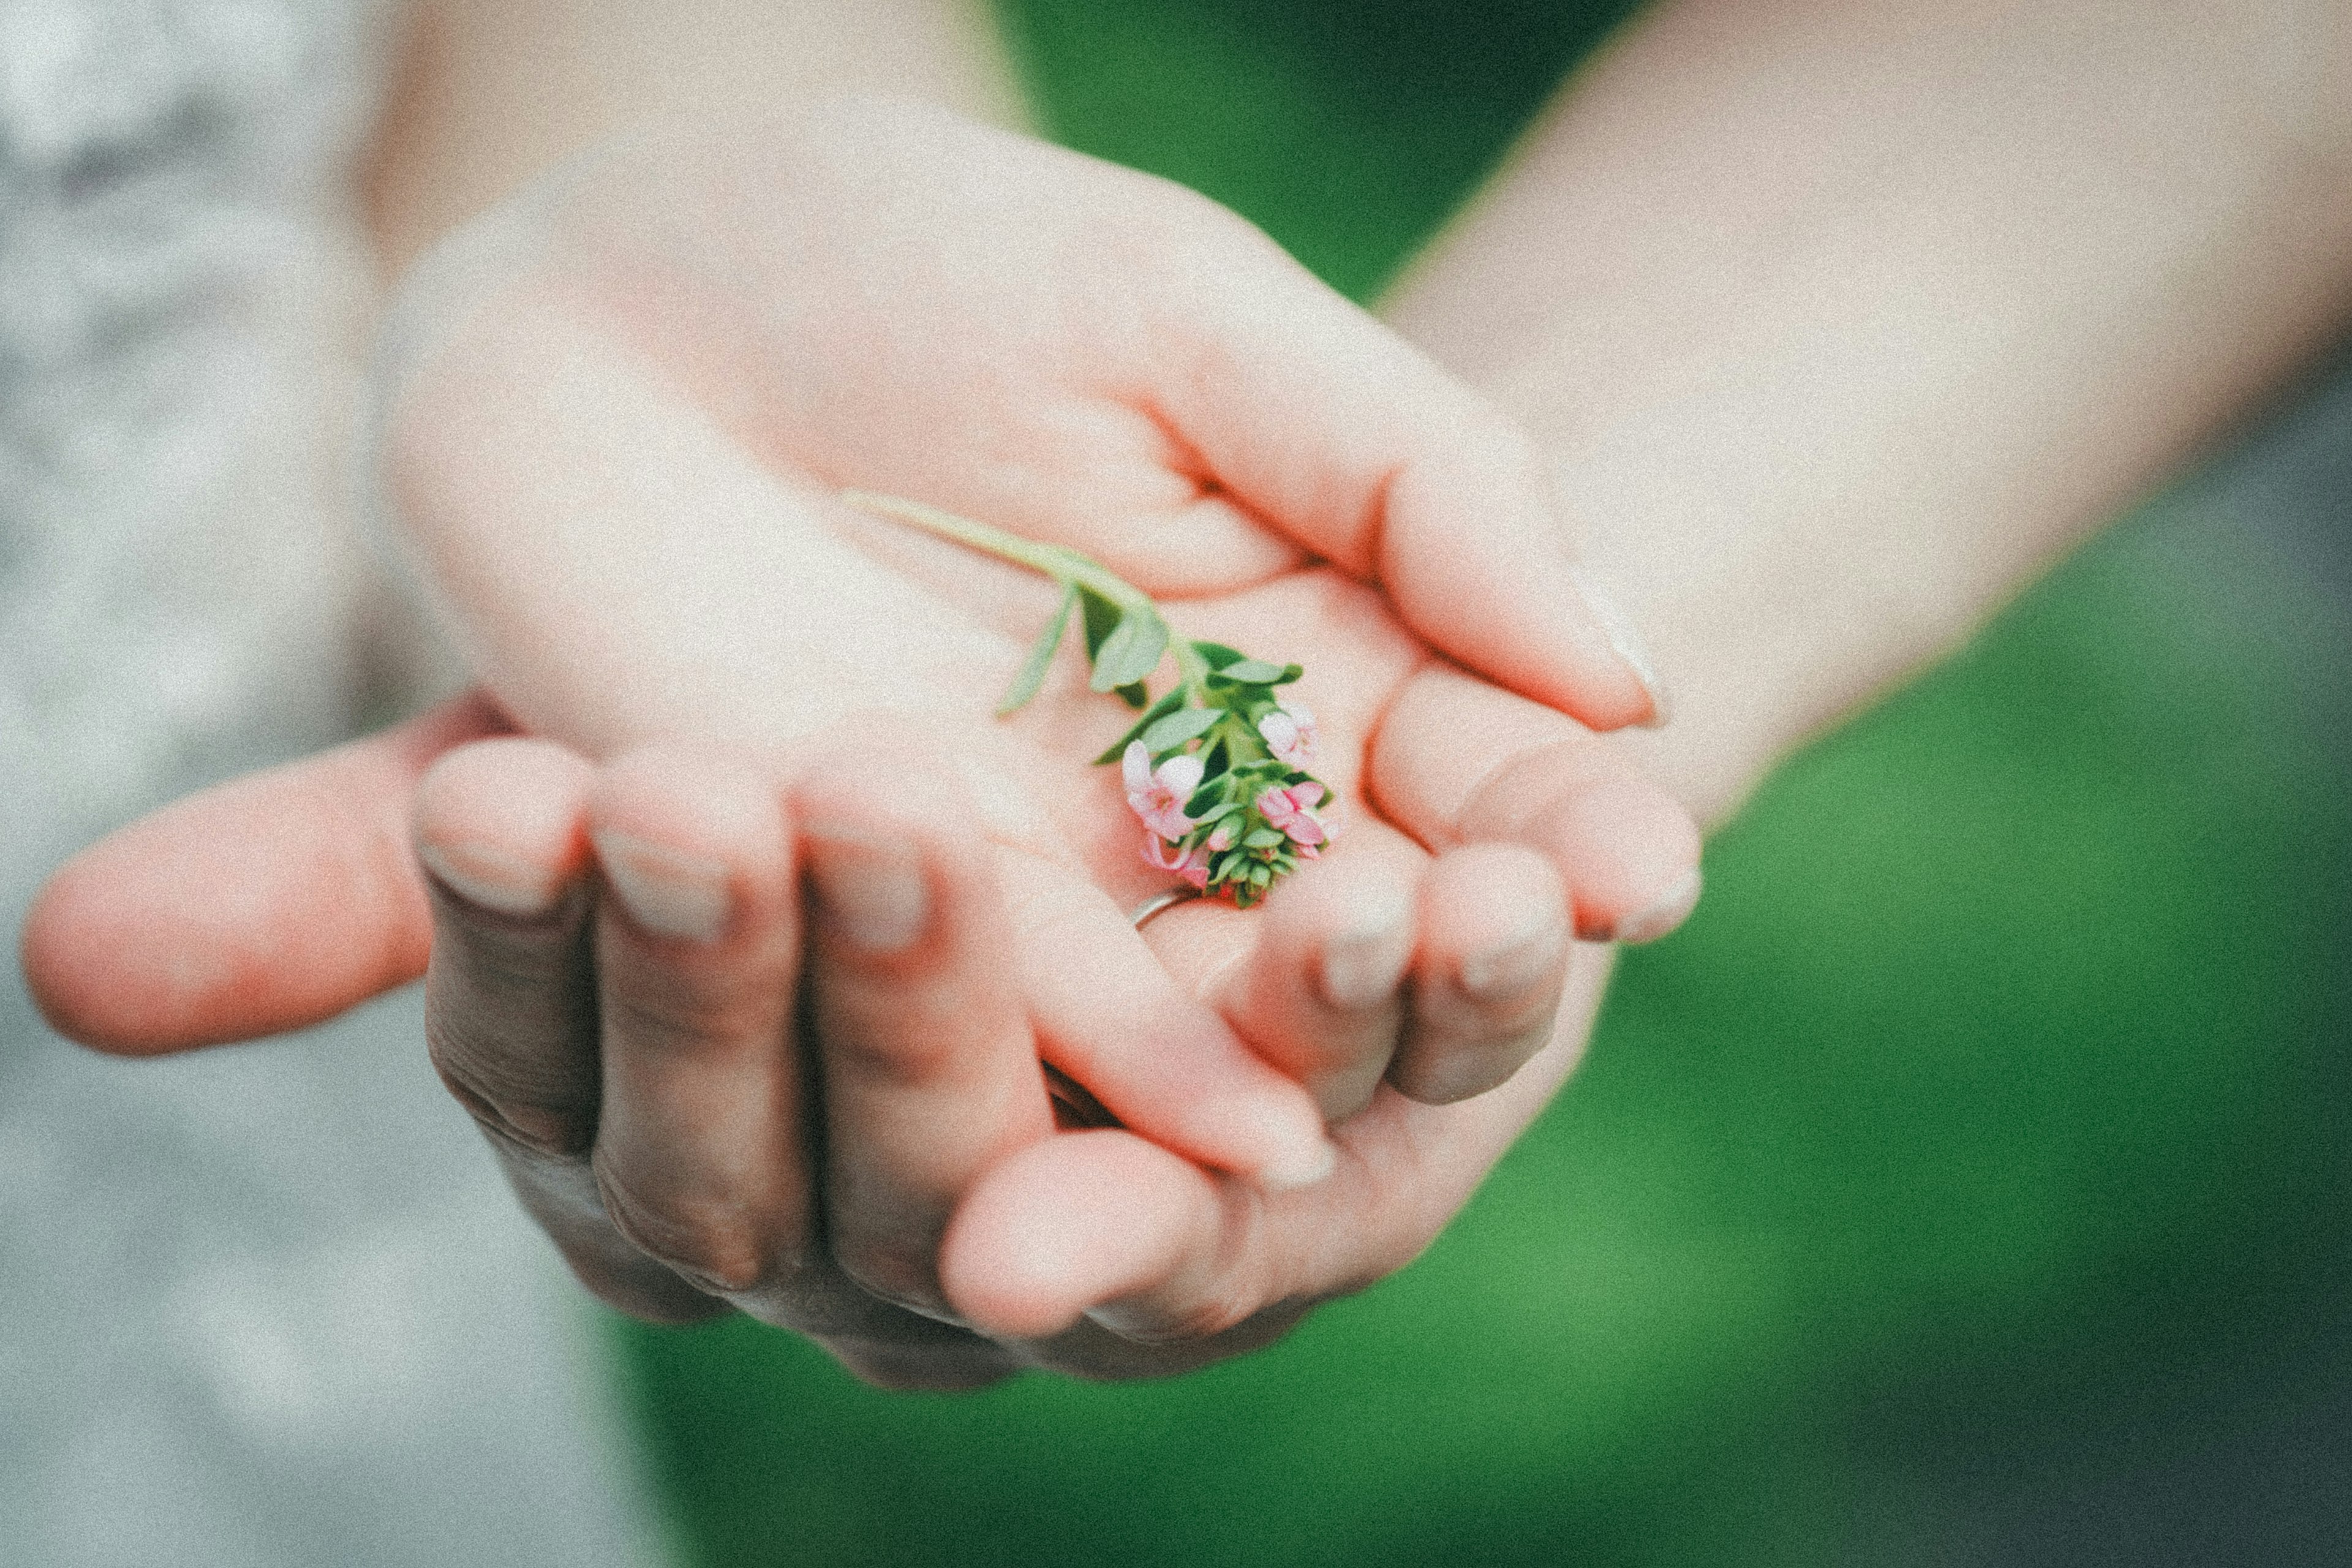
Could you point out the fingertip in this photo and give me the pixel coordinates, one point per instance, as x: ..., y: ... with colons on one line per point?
x: 77, y: 914
x: 1351, y: 922
x: 1630, y: 853
x: 881, y: 863
x: 502, y: 823
x: 1162, y: 1061
x: 1665, y: 916
x: 926, y: 788
x: 266, y: 904
x: 1486, y: 982
x: 1477, y: 559
x: 1066, y: 1225
x: 692, y: 840
x: 1267, y: 1129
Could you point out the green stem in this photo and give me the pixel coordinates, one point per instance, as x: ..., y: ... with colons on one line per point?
x: 1058, y: 561
x: 1192, y: 670
x: 1055, y: 560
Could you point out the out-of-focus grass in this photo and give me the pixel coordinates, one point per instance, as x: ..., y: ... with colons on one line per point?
x: 1985, y: 1123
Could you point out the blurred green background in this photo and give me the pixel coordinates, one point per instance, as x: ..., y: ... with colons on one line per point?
x: 1966, y: 1184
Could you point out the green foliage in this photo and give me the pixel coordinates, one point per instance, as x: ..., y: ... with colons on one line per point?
x: 1041, y: 658
x: 1167, y: 734
x: 1132, y: 651
x: 1169, y: 702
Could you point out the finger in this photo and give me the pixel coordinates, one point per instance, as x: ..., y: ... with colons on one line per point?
x: 1107, y: 1226
x: 930, y: 1069
x: 1319, y: 991
x: 270, y: 903
x: 1109, y: 1016
x: 1326, y: 424
x: 1486, y: 979
x: 1457, y: 760
x: 699, y: 1152
x: 1083, y: 1218
x: 510, y: 1010
x: 510, y: 996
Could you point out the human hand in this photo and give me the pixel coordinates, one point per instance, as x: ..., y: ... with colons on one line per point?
x: 573, y: 1033
x: 622, y: 411
x: 890, y: 1187
x: 1477, y: 765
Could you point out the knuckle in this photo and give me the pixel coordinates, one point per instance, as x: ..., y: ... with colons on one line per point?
x: 538, y: 1120
x: 900, y: 1039
x: 675, y: 1009
x: 706, y: 1240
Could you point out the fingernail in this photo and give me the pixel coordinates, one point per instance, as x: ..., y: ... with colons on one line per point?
x: 1512, y: 966
x: 502, y: 883
x: 1619, y: 628
x: 1665, y: 915
x: 1303, y: 1169
x: 668, y: 893
x: 1458, y: 1077
x: 1277, y: 1143
x: 874, y: 893
x: 1363, y: 963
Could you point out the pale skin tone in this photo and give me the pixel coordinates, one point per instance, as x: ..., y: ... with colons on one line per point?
x: 641, y: 395
x: 1831, y: 349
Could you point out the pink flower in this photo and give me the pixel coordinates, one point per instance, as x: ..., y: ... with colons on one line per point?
x: 1289, y: 733
x: 1158, y: 797
x: 1291, y: 813
x: 1162, y: 856
x: 1220, y: 838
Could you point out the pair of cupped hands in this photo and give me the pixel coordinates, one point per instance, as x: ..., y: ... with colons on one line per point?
x: 752, y: 926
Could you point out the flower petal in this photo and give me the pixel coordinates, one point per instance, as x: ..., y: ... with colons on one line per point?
x: 1181, y: 773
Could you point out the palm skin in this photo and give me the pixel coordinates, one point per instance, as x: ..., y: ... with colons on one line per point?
x: 616, y: 439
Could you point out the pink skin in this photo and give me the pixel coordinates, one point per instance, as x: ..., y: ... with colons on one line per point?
x: 1289, y: 733
x: 616, y: 410
x: 1158, y: 797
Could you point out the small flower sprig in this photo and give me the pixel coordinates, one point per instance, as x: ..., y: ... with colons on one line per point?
x: 1216, y: 767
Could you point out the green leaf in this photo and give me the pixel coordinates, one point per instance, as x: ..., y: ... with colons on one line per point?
x: 1209, y: 801
x: 1132, y: 651
x: 1135, y: 695
x: 1166, y: 705
x: 1261, y: 838
x: 1216, y: 655
x: 1041, y: 658
x: 1252, y: 673
x: 1102, y: 618
x: 1184, y: 724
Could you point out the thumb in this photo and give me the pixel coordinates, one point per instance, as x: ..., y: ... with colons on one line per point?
x: 1339, y: 432
x: 265, y: 904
